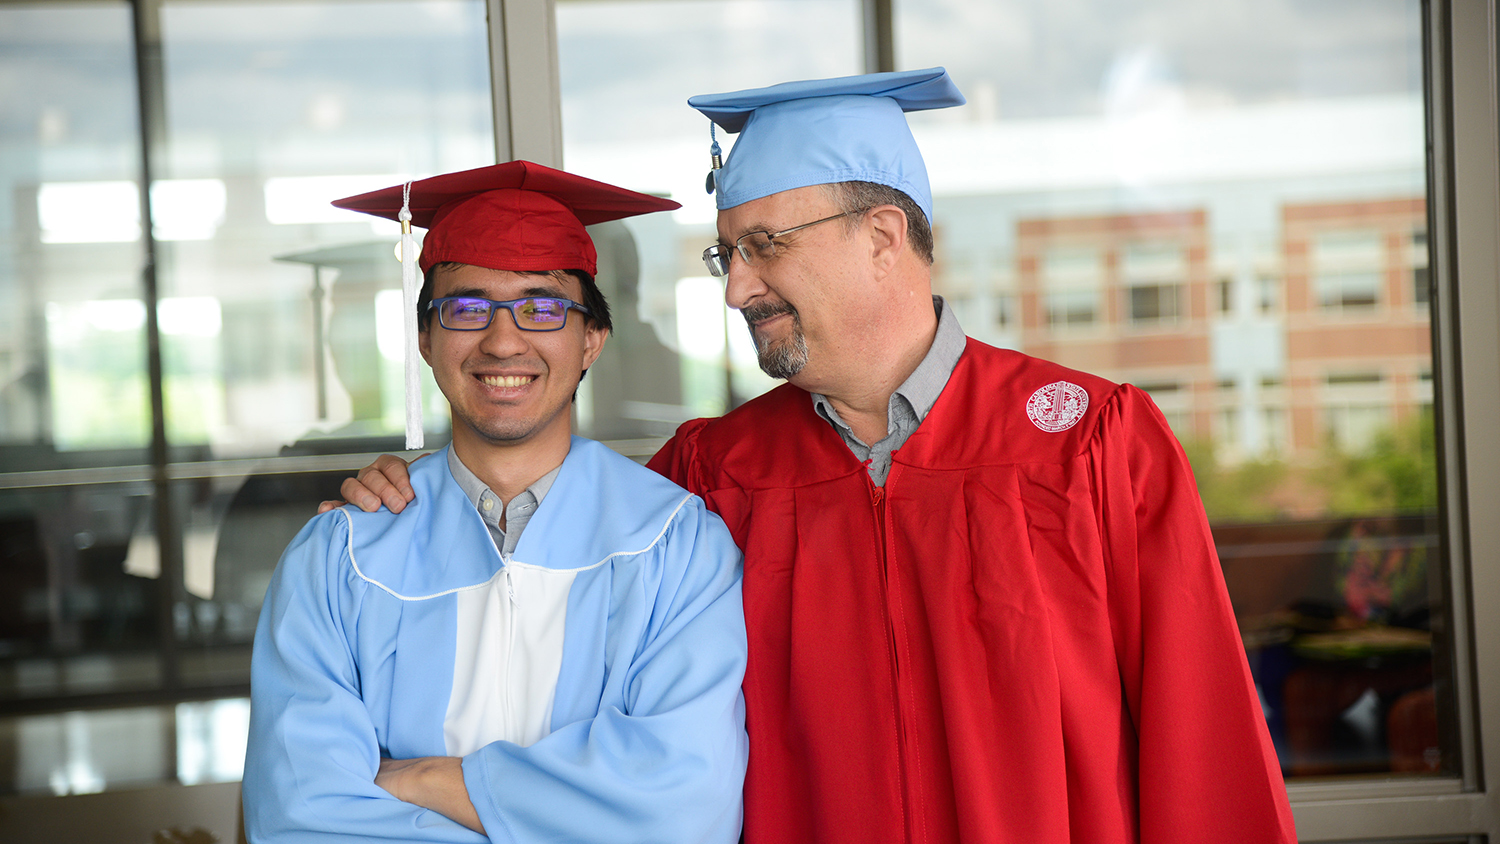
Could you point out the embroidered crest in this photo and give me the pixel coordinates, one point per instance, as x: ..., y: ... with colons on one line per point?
x: 1057, y: 406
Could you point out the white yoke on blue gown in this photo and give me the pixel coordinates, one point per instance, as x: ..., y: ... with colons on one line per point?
x: 591, y: 681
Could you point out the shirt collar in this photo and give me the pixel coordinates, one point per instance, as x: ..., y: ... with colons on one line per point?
x: 475, y: 489
x: 922, y: 387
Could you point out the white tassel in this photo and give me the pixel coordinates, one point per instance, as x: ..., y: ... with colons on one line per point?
x: 410, y: 288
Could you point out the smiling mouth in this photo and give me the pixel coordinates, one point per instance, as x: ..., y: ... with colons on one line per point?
x: 761, y: 314
x: 506, y: 380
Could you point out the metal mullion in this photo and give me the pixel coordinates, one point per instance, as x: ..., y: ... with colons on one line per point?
x: 150, y: 101
x: 42, y: 705
x: 878, y: 19
x: 524, y: 82
x: 1474, y: 266
x: 1447, y: 387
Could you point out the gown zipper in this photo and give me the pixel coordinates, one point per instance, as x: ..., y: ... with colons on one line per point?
x: 879, y: 506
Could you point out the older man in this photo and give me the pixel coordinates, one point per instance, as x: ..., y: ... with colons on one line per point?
x: 982, y: 599
x: 439, y: 675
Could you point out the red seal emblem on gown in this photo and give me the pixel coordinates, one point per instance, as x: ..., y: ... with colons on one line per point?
x: 1057, y: 406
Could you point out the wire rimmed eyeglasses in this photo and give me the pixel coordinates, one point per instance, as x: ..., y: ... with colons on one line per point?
x: 534, y: 313
x: 757, y: 247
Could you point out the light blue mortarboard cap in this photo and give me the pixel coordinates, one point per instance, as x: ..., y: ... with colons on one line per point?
x: 819, y: 131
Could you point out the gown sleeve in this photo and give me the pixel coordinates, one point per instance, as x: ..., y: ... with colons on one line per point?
x: 671, y: 765
x: 677, y: 458
x: 1207, y: 769
x: 311, y: 763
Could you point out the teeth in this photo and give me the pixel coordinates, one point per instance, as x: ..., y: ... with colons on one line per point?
x: 507, y: 380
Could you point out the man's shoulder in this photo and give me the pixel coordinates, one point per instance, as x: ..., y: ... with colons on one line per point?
x: 437, y: 543
x: 780, y: 412
x: 1002, y: 406
x: 772, y: 441
x: 1018, y: 372
x: 618, y: 476
x: 604, y: 505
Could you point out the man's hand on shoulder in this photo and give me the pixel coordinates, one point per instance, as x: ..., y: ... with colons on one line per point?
x: 386, y: 481
x: 432, y: 782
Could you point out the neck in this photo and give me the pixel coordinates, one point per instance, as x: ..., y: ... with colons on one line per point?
x: 861, y: 393
x: 509, y: 468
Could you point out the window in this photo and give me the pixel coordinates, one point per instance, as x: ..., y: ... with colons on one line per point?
x: 134, y: 575
x: 1073, y: 276
x: 1421, y: 281
x: 1153, y: 303
x: 1088, y: 113
x: 1224, y: 296
x: 1357, y: 409
x: 626, y: 70
x: 1267, y: 293
x: 1347, y: 267
x: 1190, y: 189
x: 1153, y: 274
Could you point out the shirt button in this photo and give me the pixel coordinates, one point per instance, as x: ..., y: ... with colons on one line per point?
x: 489, y: 503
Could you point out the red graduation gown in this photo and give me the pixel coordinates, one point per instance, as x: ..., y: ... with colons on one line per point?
x: 1024, y: 637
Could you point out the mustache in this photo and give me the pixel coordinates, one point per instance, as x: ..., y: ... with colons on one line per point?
x: 765, y: 310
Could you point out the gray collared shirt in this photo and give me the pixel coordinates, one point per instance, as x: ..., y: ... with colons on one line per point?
x: 517, y: 513
x: 911, y: 401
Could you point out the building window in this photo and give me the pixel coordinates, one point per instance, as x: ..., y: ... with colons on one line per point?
x: 1421, y: 283
x: 1155, y: 303
x: 1347, y: 269
x: 1005, y: 306
x: 1224, y: 296
x: 1227, y: 428
x: 1072, y: 308
x: 1356, y: 409
x: 1073, y: 276
x: 1274, y: 428
x: 1153, y: 274
x: 1268, y: 293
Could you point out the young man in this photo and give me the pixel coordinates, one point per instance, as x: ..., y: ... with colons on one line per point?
x: 441, y: 675
x: 1020, y: 630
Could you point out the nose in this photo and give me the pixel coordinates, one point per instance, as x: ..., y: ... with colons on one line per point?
x: 503, y: 339
x: 742, y: 285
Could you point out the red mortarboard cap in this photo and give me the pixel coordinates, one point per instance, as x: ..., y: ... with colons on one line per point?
x: 517, y: 216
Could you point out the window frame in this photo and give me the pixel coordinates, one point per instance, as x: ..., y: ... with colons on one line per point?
x: 1461, y: 54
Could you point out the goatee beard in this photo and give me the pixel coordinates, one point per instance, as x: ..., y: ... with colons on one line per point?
x: 777, y: 358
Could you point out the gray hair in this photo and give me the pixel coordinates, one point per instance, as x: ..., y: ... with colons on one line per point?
x: 852, y: 196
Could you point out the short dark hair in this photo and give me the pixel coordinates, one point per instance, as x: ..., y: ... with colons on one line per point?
x: 852, y: 196
x: 593, y: 298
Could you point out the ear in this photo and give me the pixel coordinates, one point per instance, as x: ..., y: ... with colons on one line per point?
x: 593, y: 343
x: 424, y: 342
x: 887, y: 235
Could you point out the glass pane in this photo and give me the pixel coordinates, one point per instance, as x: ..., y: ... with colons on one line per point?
x: 277, y: 310
x: 88, y: 752
x: 1228, y: 209
x: 234, y: 529
x: 627, y: 69
x: 280, y: 315
x: 80, y: 604
x: 73, y: 384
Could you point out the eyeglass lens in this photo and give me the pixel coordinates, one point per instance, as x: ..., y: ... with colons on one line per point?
x: 533, y: 314
x: 755, y: 248
x: 716, y: 258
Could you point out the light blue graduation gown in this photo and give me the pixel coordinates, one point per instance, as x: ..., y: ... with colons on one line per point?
x: 590, y: 681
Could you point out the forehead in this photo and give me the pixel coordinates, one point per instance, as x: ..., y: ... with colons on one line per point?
x: 502, y: 284
x: 776, y: 211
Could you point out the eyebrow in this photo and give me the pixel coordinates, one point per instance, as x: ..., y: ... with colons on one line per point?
x: 750, y: 229
x: 548, y: 292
